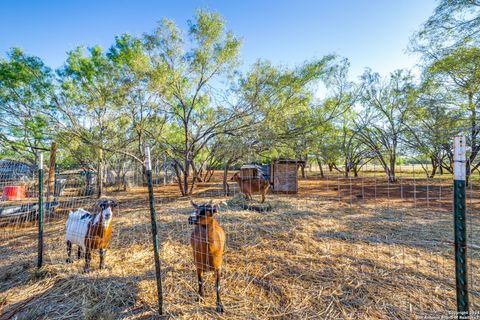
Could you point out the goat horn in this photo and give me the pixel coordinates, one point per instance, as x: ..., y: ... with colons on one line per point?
x: 193, y: 204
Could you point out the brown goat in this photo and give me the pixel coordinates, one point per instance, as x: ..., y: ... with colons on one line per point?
x: 251, y: 186
x: 208, y: 244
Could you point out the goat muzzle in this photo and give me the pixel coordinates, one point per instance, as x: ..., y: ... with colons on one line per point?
x: 193, y: 219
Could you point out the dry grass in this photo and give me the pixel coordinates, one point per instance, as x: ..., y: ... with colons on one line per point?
x: 305, y: 259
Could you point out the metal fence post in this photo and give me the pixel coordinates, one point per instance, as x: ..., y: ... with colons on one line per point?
x: 153, y: 219
x: 459, y: 206
x: 40, y: 212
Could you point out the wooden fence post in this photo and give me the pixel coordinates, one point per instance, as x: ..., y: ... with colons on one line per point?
x: 51, y: 172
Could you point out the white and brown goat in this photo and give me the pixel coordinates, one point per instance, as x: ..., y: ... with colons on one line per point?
x: 90, y: 232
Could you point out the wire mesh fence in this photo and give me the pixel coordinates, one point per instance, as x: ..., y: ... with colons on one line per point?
x: 323, y: 244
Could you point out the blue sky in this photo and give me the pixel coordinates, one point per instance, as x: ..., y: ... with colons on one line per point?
x: 371, y: 34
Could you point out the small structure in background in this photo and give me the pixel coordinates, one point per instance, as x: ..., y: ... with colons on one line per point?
x: 12, y: 170
x: 284, y: 175
x: 255, y: 171
x: 15, y: 176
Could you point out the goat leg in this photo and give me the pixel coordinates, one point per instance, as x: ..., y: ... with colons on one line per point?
x: 218, y: 273
x: 102, y: 258
x: 79, y: 252
x: 88, y: 258
x: 200, y: 285
x: 69, y: 252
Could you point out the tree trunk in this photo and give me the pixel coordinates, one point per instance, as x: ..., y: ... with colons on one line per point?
x: 226, y: 187
x: 124, y: 181
x: 190, y: 191
x: 51, y: 173
x: 204, y: 177
x: 330, y: 166
x: 355, y: 170
x: 320, y: 167
x: 124, y: 177
x: 195, y: 178
x: 165, y: 170
x: 434, y: 167
x: 100, y: 174
x: 179, y: 178
x: 197, y: 174
x: 118, y: 177
x: 156, y: 172
x: 334, y: 166
x: 210, y: 175
x: 391, y: 173
x: 186, y: 173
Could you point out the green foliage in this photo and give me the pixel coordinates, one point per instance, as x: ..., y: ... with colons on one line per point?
x: 26, y: 85
x: 461, y: 69
x: 455, y: 23
x: 180, y: 92
x: 181, y: 75
x: 382, y: 123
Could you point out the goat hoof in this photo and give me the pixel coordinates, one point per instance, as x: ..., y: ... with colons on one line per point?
x: 220, y: 308
x: 86, y: 270
x: 102, y: 267
x: 69, y: 260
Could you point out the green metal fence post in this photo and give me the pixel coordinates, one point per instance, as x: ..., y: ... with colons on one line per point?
x: 153, y: 219
x: 40, y: 212
x: 459, y: 206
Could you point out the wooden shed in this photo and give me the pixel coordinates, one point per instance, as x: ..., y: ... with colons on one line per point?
x: 284, y: 175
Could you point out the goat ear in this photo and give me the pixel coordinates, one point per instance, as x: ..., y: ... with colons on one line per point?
x: 113, y: 203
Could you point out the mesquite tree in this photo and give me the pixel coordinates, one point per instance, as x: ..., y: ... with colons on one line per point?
x: 459, y: 72
x: 431, y: 124
x: 182, y: 75
x: 26, y: 85
x: 454, y: 23
x: 382, y: 123
x: 88, y: 103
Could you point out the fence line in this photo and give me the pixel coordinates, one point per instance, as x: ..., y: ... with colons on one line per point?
x: 394, y: 238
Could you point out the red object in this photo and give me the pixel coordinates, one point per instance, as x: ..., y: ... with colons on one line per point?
x: 14, y: 193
